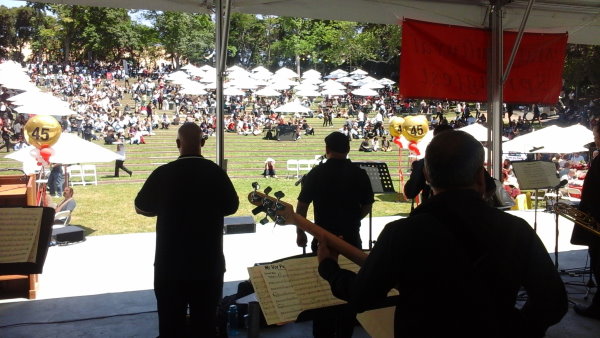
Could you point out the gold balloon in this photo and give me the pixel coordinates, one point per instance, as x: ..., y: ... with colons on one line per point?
x: 396, y: 126
x: 42, y: 131
x: 415, y: 127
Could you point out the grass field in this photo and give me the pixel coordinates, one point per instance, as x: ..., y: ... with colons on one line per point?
x: 108, y: 207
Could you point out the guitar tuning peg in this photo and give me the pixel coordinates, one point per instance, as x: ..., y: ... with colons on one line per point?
x: 268, y: 190
x: 279, y: 194
x: 264, y: 221
x: 279, y: 219
x: 255, y: 185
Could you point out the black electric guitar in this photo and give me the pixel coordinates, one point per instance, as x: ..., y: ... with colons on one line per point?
x: 283, y: 213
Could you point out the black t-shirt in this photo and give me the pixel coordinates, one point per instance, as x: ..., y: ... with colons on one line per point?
x: 338, y: 189
x: 190, y: 196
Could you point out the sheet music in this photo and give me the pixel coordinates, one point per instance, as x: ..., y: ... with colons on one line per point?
x: 19, y: 234
x: 535, y: 175
x: 287, y: 288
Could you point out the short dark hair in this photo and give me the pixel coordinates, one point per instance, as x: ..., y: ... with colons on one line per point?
x: 338, y: 142
x: 453, y: 159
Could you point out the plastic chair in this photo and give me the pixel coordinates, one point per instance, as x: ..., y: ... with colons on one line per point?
x: 305, y: 165
x: 61, y: 219
x: 75, y: 172
x: 292, y: 165
x: 89, y: 170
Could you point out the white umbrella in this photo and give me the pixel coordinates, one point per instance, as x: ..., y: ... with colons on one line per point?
x: 386, y: 82
x: 260, y: 69
x: 531, y: 142
x: 267, y: 91
x: 46, y: 108
x: 338, y: 73
x: 358, y: 71
x: 333, y: 92
x: 189, y: 67
x: 478, y: 131
x: 373, y: 85
x: 311, y: 73
x: 286, y: 72
x: 292, y: 107
x: 193, y: 90
x: 306, y: 86
x: 308, y: 93
x: 365, y: 92
x: 235, y: 69
x: 177, y: 76
x: 207, y: 68
x: 69, y: 149
x: 330, y: 84
x: 232, y: 91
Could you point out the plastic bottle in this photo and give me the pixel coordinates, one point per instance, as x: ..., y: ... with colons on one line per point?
x: 232, y: 321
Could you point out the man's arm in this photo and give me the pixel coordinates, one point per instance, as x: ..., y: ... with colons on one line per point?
x: 417, y: 181
x: 144, y: 213
x: 302, y: 210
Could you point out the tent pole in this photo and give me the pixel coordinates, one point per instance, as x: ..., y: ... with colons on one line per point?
x: 495, y: 94
x: 515, y: 48
x: 222, y: 34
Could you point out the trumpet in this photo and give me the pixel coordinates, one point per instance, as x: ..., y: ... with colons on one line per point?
x: 578, y: 217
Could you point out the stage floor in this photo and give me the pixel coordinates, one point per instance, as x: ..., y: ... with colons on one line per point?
x: 102, y: 287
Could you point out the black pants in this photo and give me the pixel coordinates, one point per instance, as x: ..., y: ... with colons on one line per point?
x: 338, y: 323
x: 119, y: 165
x: 173, y: 298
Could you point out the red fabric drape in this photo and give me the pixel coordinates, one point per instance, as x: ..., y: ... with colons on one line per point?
x: 449, y: 62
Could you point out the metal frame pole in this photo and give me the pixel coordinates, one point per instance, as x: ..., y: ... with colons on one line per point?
x: 222, y: 11
x: 495, y: 92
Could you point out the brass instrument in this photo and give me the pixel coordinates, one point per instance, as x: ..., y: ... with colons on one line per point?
x: 578, y: 217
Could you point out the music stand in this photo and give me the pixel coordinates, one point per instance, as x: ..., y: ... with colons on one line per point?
x: 381, y: 183
x: 535, y: 175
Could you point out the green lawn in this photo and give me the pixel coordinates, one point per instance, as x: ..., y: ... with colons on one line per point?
x: 108, y: 207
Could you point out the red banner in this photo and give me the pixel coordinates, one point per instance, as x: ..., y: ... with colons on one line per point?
x: 450, y: 62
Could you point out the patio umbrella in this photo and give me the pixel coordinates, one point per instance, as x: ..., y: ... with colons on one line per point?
x: 333, y: 92
x: 46, y: 108
x: 479, y: 132
x: 232, y: 91
x: 308, y: 93
x: 267, y: 91
x: 292, y: 107
x: 362, y: 91
x: 69, y: 149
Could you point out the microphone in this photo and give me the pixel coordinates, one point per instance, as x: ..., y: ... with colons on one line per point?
x: 561, y: 184
x: 535, y: 149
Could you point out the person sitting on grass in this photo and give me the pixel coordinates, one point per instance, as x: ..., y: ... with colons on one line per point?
x: 269, y: 170
x: 365, y: 145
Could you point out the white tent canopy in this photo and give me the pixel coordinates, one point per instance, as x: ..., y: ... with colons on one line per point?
x: 69, y: 149
x: 479, y: 132
x: 552, y: 139
x: 292, y: 107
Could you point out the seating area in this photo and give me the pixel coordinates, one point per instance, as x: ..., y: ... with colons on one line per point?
x: 79, y: 174
x: 295, y: 167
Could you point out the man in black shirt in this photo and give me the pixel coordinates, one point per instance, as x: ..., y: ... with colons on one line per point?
x: 458, y: 273
x: 342, y: 196
x: 190, y: 196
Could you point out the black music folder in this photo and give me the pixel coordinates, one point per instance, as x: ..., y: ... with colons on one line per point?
x: 24, y: 238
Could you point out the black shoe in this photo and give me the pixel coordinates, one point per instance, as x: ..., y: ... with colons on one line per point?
x: 130, y: 173
x: 590, y: 311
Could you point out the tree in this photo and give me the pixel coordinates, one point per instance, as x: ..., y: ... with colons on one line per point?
x: 184, y: 35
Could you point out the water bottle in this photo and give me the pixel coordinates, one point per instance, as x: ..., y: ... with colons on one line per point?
x: 232, y: 321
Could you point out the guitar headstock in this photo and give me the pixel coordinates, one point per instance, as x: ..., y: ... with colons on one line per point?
x: 278, y: 211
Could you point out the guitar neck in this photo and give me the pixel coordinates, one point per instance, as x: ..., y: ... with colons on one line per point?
x: 346, y: 249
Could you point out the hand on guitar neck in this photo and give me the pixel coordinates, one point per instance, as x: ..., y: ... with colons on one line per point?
x: 283, y: 213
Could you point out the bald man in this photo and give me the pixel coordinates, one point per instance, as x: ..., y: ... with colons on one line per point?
x: 459, y: 271
x: 190, y: 196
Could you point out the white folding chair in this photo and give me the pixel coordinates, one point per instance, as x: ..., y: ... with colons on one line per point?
x: 75, y: 172
x: 89, y: 170
x: 292, y: 165
x: 61, y: 219
x: 305, y: 165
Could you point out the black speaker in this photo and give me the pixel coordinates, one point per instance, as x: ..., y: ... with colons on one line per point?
x: 286, y: 133
x: 69, y: 234
x: 238, y: 225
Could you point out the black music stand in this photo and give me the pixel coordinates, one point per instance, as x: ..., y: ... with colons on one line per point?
x: 381, y: 183
x: 535, y: 175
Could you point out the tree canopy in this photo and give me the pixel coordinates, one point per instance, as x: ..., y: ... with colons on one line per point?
x: 60, y: 33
